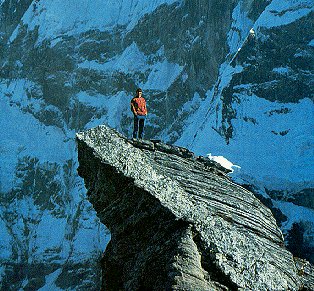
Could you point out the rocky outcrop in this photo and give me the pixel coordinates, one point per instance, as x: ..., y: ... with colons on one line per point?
x: 178, y: 222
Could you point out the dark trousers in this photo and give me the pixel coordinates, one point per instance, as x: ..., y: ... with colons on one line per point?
x: 138, y: 126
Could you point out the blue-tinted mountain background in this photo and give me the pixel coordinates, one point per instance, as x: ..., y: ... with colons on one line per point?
x: 232, y: 80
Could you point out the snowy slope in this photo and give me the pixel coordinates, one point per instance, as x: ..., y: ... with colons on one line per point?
x: 32, y: 231
x: 261, y: 127
x: 23, y: 135
x: 80, y: 16
x: 283, y: 12
x: 161, y: 75
x: 258, y: 122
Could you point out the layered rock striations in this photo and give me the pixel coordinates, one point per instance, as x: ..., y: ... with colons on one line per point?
x: 178, y: 222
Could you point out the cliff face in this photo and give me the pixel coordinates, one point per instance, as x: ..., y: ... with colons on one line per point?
x: 178, y: 222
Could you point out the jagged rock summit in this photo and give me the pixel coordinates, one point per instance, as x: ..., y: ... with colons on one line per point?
x: 177, y: 221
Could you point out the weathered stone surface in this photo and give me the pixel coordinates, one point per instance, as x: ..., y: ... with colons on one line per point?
x: 178, y: 222
x: 306, y: 271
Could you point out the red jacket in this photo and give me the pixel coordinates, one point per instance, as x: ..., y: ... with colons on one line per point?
x: 138, y: 106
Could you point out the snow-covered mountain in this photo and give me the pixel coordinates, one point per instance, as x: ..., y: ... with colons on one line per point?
x: 211, y: 85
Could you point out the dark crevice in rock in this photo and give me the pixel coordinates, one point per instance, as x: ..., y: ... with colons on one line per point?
x: 220, y: 279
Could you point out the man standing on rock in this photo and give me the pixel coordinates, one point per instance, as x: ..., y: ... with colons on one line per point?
x: 138, y: 107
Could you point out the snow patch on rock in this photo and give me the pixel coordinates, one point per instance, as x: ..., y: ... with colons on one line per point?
x: 71, y: 17
x: 283, y: 12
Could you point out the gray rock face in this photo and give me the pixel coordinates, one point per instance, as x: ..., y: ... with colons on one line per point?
x: 178, y: 222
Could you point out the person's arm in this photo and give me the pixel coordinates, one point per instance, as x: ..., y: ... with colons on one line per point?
x: 145, y: 108
x: 133, y: 108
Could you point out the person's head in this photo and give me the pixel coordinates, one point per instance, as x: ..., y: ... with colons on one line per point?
x: 139, y: 92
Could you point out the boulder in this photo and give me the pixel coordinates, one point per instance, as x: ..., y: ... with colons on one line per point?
x: 177, y: 221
